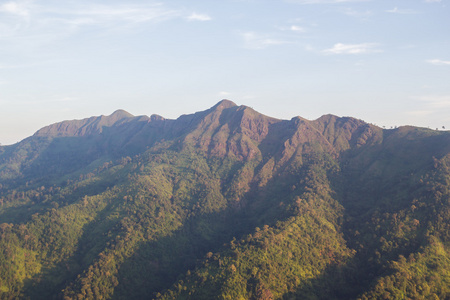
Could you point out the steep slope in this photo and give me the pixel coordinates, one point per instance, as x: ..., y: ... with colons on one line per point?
x: 67, y: 146
x: 93, y: 125
x: 225, y: 204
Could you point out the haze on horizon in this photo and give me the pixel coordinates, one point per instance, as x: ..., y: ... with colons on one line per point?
x: 385, y: 62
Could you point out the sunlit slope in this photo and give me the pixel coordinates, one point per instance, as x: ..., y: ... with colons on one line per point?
x: 225, y: 204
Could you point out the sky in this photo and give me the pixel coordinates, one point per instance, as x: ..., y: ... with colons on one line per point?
x: 385, y: 62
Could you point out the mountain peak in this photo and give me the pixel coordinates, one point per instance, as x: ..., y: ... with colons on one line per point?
x: 83, y: 127
x: 224, y: 104
x: 120, y: 114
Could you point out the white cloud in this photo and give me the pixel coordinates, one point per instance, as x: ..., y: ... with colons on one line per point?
x: 435, y: 101
x: 324, y: 1
x: 75, y: 15
x: 20, y: 8
x: 396, y: 10
x: 419, y: 113
x: 66, y: 99
x: 82, y: 14
x: 297, y: 28
x: 40, y: 24
x: 432, y: 108
x: 439, y: 62
x: 17, y: 66
x: 340, y: 48
x: 199, y: 17
x: 120, y: 13
x: 357, y: 14
x: 256, y: 41
x: 28, y: 27
x: 293, y: 28
x: 432, y: 1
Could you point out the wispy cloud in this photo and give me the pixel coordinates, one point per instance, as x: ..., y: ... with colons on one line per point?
x: 439, y: 62
x: 98, y: 14
x: 19, y: 8
x: 2, y: 67
x: 432, y: 1
x: 76, y: 15
x: 256, y: 41
x: 324, y: 1
x: 419, y: 113
x: 364, y: 48
x: 19, y: 66
x: 27, y: 25
x: 357, y: 14
x: 134, y: 13
x: 293, y: 28
x: 296, y: 28
x: 199, y: 17
x: 32, y: 32
x: 396, y: 10
x: 66, y: 99
x: 431, y: 107
x: 435, y: 101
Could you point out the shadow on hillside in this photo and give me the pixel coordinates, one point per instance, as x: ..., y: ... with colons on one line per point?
x: 156, y: 265
x: 277, y: 135
x: 374, y: 181
x: 24, y: 213
x: 49, y: 283
x: 21, y: 214
x: 336, y: 282
x: 168, y: 258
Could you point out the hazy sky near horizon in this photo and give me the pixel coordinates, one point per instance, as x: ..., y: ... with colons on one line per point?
x: 386, y: 62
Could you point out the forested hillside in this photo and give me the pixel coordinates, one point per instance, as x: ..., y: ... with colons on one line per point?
x: 225, y: 204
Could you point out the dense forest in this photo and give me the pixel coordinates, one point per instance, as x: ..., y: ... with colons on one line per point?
x: 225, y: 204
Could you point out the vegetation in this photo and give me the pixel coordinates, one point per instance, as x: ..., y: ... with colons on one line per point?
x: 225, y: 204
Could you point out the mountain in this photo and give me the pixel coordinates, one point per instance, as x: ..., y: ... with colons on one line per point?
x: 84, y: 127
x: 225, y: 203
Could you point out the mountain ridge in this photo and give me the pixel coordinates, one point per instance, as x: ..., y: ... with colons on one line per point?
x: 225, y: 203
x: 225, y: 130
x: 87, y: 126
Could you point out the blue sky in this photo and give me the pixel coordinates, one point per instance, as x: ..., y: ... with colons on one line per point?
x: 386, y: 62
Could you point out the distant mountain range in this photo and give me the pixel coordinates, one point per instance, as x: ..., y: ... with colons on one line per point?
x: 226, y: 203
